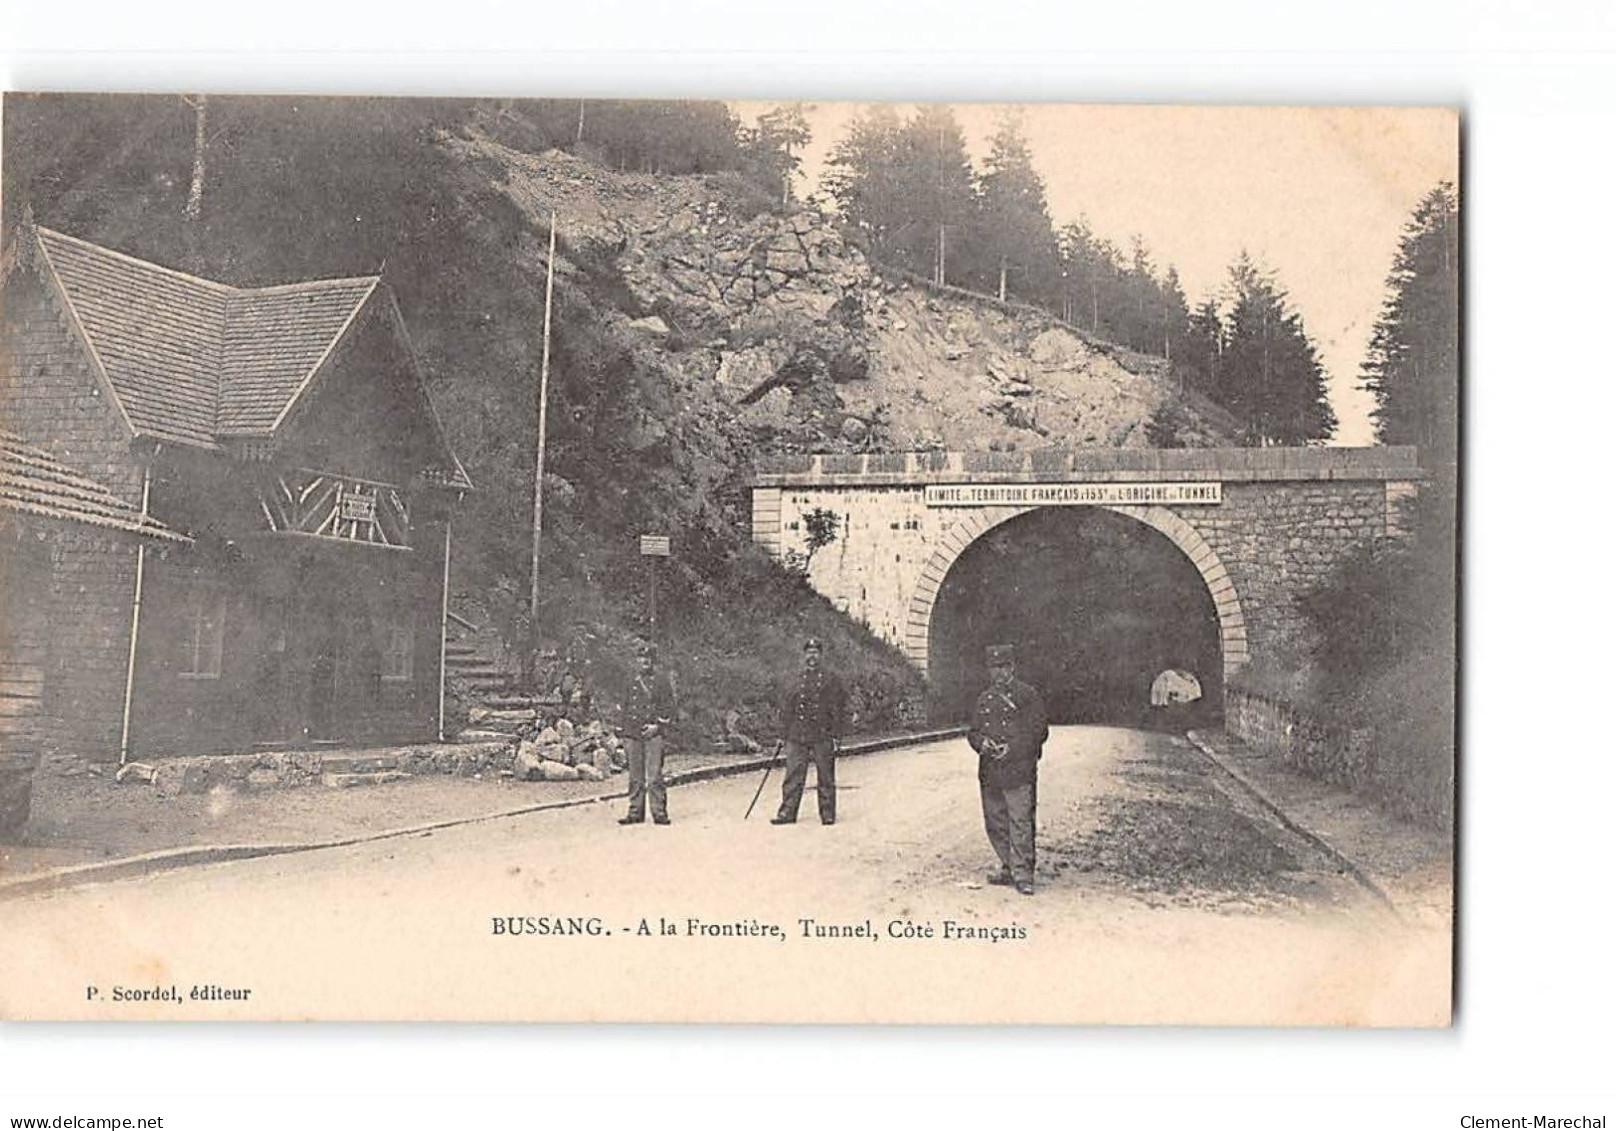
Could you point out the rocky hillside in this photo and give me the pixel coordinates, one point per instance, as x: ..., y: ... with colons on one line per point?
x: 810, y: 345
x: 696, y: 328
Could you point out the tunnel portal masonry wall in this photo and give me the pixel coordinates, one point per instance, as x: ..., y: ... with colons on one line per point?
x: 1261, y: 525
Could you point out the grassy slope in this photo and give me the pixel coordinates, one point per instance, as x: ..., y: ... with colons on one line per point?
x: 636, y: 444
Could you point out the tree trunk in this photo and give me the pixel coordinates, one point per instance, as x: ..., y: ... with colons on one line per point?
x: 1004, y: 274
x: 199, y: 160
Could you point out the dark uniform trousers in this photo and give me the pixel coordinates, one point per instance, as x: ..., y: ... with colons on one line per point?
x: 1011, y: 817
x: 645, y: 776
x: 798, y: 754
x: 649, y: 703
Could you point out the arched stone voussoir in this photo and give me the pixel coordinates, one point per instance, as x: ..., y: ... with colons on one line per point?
x: 977, y: 521
x: 966, y: 528
x: 1219, y: 583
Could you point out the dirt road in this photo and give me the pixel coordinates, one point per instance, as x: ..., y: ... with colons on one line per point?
x: 1163, y: 897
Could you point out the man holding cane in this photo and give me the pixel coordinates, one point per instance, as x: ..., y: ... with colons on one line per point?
x: 814, y: 715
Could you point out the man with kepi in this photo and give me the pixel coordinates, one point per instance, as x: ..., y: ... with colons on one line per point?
x: 814, y: 714
x: 647, y: 712
x: 1008, y: 730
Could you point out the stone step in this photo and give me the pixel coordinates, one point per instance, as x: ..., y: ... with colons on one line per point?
x: 482, y: 734
x: 471, y: 664
x: 479, y: 668
x: 348, y: 781
x: 491, y: 684
x: 516, y: 701
x: 505, y: 715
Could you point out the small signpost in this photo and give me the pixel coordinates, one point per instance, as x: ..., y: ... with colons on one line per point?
x: 652, y: 547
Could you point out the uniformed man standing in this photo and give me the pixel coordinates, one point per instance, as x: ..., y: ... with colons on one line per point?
x: 1008, y: 732
x: 647, y: 712
x: 814, y: 714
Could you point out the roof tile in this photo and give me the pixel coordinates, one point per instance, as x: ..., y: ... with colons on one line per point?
x: 193, y: 359
x: 34, y: 482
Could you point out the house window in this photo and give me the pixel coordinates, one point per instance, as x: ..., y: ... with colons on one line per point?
x: 398, y: 657
x: 203, y: 642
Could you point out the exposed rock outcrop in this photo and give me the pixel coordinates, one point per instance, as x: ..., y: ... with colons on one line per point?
x: 813, y: 346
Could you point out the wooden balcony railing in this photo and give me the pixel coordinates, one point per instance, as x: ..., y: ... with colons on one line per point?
x: 341, y: 508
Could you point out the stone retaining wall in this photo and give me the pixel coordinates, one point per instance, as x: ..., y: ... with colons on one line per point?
x: 1413, y: 783
x: 290, y: 769
x: 1301, y: 739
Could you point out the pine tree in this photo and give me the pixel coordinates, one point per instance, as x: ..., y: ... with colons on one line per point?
x: 862, y: 178
x: 1386, y: 618
x: 1175, y: 311
x: 1196, y: 361
x: 773, y: 148
x: 1270, y: 376
x: 1081, y: 268
x: 934, y: 179
x: 1016, y: 234
x: 1412, y: 365
x: 1142, y: 312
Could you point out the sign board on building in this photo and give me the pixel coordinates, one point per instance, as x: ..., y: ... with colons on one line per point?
x: 655, y: 545
x: 357, y: 508
x: 1071, y: 494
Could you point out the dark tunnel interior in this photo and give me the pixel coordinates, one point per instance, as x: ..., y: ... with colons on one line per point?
x: 1097, y: 605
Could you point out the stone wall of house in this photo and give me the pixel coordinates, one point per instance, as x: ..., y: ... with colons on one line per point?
x: 93, y: 585
x: 50, y: 396
x: 24, y: 635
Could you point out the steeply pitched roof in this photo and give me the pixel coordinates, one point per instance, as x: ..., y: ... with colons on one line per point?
x: 34, y: 482
x: 155, y: 334
x: 193, y: 360
x: 274, y: 340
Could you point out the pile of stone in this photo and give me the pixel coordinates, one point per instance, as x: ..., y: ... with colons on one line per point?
x: 565, y: 752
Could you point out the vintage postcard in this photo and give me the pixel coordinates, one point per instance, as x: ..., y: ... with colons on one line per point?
x: 555, y: 560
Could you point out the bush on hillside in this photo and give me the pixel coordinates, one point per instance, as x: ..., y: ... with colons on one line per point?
x: 1384, y: 660
x: 736, y: 647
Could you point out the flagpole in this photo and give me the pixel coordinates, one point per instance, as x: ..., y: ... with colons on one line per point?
x: 538, y: 463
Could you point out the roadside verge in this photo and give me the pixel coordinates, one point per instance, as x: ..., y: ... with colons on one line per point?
x: 1406, y: 866
x: 148, y: 863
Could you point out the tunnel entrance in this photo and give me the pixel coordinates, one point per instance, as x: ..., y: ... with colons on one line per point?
x: 1098, y: 606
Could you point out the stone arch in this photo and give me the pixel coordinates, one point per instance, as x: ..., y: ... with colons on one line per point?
x: 977, y: 521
